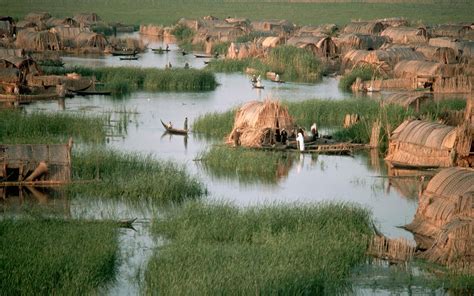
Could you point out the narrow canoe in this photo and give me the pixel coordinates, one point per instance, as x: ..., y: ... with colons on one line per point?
x: 174, y: 131
x: 124, y: 53
x: 129, y: 58
x: 93, y: 92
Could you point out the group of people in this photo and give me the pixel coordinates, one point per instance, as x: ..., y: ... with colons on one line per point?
x: 256, y: 81
x: 282, y: 136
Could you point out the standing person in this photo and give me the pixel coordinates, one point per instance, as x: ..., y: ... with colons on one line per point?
x: 314, y: 131
x: 277, y: 77
x: 284, y: 136
x: 300, y: 141
x: 186, y: 123
x: 259, y: 81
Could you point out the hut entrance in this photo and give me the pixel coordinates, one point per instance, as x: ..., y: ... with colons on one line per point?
x: 11, y: 174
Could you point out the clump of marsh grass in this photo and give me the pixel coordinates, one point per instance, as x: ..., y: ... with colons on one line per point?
x: 363, y: 72
x: 17, y: 127
x: 133, y: 177
x: 49, y: 256
x: 214, y: 124
x: 279, y: 249
x: 122, y: 80
x: 246, y: 165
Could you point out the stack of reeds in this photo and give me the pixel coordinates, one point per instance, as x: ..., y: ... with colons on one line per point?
x: 398, y: 250
x: 457, y: 84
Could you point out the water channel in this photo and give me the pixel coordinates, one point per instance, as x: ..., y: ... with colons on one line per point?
x: 358, y: 179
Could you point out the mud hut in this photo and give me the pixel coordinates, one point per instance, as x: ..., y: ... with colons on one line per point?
x: 368, y: 28
x: 406, y: 35
x: 91, y: 40
x: 449, y: 30
x: 321, y: 46
x: 443, y: 55
x: 444, y: 221
x: 408, y: 99
x: 7, y: 26
x: 37, y: 40
x: 346, y: 42
x: 256, y: 123
x: 421, y: 144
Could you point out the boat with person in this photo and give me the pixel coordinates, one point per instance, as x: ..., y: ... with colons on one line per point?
x: 176, y: 131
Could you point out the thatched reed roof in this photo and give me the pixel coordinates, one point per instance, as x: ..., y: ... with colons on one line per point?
x: 28, y: 24
x: 11, y: 52
x: 65, y: 22
x: 417, y: 143
x: 405, y: 35
x: 87, y: 18
x: 447, y: 30
x: 408, y: 99
x: 384, y: 59
x: 91, y: 39
x: 68, y: 35
x: 321, y: 45
x: 37, y: 41
x: 243, y: 50
x: 268, y: 42
x: 443, y: 55
x: 359, y: 41
x: 444, y: 220
x: 152, y: 30
x: 256, y: 122
x: 276, y: 26
x: 456, y: 45
x: 7, y: 26
x: 393, y: 22
x: 412, y: 69
x: 369, y: 28
x: 37, y: 16
x: 354, y: 57
x: 325, y: 29
x: 221, y: 34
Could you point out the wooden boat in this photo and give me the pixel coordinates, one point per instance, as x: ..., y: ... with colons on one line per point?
x: 24, y: 99
x: 204, y: 56
x: 278, y: 81
x: 259, y: 87
x: 160, y: 49
x: 174, y: 131
x: 124, y: 53
x: 129, y: 58
x: 93, y: 92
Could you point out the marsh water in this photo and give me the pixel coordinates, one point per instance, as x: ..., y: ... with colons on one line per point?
x: 361, y: 178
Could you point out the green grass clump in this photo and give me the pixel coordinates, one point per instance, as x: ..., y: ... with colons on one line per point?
x: 55, y: 257
x: 17, y: 127
x: 121, y: 80
x: 279, y: 249
x: 246, y: 165
x: 182, y: 33
x: 364, y: 73
x: 214, y: 125
x: 293, y: 64
x: 133, y: 177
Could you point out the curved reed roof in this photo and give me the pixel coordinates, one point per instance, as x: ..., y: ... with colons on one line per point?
x: 405, y: 34
x: 428, y: 134
x: 410, y: 68
x: 452, y: 182
x: 406, y: 99
x: 364, y: 27
x: 360, y: 41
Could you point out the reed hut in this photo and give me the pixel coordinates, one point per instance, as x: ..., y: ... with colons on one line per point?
x: 152, y: 30
x: 393, y: 22
x: 282, y: 27
x: 272, y: 41
x: 37, y: 17
x: 455, y: 44
x: 61, y: 22
x: 346, y: 42
x: 7, y: 26
x: 354, y: 57
x: 37, y: 40
x: 408, y: 99
x: 406, y: 35
x: 422, y: 144
x: 86, y: 19
x: 450, y: 30
x: 21, y: 25
x: 443, y: 55
x: 9, y: 77
x: 91, y: 40
x: 244, y: 50
x: 368, y: 28
x: 444, y: 221
x: 50, y: 163
x: 68, y: 35
x: 321, y: 46
x: 256, y: 123
x: 16, y: 52
x: 420, y: 69
x: 307, y: 31
x: 24, y: 67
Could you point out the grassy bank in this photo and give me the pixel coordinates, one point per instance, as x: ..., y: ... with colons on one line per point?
x: 214, y: 124
x: 121, y: 80
x: 167, y: 12
x: 293, y: 64
x: 286, y: 250
x: 17, y: 127
x: 364, y: 73
x: 246, y: 166
x: 132, y: 177
x: 46, y: 257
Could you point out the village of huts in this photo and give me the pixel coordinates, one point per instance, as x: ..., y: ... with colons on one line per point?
x: 404, y: 117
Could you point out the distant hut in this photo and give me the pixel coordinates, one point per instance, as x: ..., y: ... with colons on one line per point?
x: 7, y: 26
x: 321, y: 46
x: 243, y: 50
x: 368, y: 28
x: 256, y: 123
x: 393, y: 22
x: 408, y: 99
x: 421, y: 69
x: 37, y: 40
x: 354, y: 57
x: 326, y: 29
x: 63, y: 22
x: 455, y: 44
x: 152, y: 30
x: 444, y: 221
x: 68, y: 35
x: 91, y: 40
x: 417, y: 143
x: 272, y: 41
x: 11, y: 52
x: 275, y: 26
x: 346, y: 42
x: 24, y: 24
x: 37, y: 17
x: 406, y: 35
x: 24, y: 66
x: 443, y: 55
x: 453, y: 31
x: 87, y: 18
